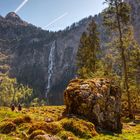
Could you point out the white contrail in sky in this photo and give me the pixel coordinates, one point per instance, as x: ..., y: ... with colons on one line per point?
x: 57, y: 19
x: 21, y: 5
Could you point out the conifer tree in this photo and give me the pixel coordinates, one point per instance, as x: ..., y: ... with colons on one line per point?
x: 117, y: 18
x: 132, y: 51
x: 88, y: 51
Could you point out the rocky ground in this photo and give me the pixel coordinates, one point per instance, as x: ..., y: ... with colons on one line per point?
x: 47, y: 123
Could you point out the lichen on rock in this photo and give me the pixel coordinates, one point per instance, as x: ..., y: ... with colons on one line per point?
x: 99, y: 100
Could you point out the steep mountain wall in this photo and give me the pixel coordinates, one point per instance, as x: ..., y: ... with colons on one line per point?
x: 43, y: 60
x: 135, y: 16
x: 46, y: 60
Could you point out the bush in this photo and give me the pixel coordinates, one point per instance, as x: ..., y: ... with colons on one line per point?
x: 10, y: 87
x: 7, y: 127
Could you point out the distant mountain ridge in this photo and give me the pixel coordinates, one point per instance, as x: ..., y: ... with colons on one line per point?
x: 29, y: 49
x: 30, y: 53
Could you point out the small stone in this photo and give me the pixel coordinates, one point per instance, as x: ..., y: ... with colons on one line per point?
x: 48, y: 120
x: 132, y: 124
x: 70, y: 138
x: 46, y: 137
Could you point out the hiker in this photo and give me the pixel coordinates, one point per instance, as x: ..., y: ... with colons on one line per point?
x: 19, y: 107
x: 12, y: 107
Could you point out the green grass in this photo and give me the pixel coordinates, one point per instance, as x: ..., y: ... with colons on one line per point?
x: 6, y: 137
x: 32, y: 122
x: 6, y: 113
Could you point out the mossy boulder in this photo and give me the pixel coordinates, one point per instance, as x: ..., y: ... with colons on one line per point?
x: 7, y: 127
x: 99, y: 100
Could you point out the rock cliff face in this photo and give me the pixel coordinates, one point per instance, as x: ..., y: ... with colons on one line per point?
x: 135, y: 19
x: 135, y: 16
x: 46, y: 60
x: 99, y: 100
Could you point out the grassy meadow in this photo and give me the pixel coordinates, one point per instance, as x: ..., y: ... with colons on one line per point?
x: 34, y: 121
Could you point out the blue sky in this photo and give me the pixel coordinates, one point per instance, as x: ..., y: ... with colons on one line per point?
x: 43, y: 12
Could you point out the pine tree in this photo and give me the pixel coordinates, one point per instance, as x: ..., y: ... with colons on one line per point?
x: 117, y: 18
x: 88, y: 51
x: 132, y: 54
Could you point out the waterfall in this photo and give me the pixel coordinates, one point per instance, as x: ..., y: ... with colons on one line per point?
x: 50, y: 68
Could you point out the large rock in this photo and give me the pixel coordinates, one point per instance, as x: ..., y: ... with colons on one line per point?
x: 99, y: 100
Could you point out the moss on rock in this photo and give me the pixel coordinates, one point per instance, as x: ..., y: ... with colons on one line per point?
x: 99, y: 100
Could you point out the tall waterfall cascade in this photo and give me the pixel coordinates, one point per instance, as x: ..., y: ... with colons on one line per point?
x: 50, y: 67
